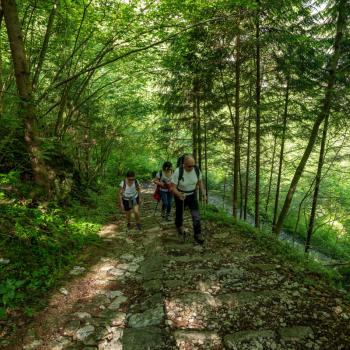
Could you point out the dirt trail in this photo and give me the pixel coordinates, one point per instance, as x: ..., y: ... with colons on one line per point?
x: 149, y: 290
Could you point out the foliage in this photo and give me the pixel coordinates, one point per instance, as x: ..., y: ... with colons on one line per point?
x: 42, y: 243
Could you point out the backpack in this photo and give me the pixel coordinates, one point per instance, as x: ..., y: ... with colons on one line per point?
x: 180, y: 165
x: 156, y: 194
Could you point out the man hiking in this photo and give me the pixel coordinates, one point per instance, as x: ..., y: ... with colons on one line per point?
x: 186, y: 179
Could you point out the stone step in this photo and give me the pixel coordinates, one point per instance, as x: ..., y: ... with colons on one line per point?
x: 192, y: 339
x: 253, y: 337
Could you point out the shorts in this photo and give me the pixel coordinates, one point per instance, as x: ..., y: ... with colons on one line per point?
x: 130, y: 203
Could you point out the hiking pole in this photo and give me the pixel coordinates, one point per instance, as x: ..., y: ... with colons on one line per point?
x: 183, y: 219
x: 205, y: 221
x: 155, y: 208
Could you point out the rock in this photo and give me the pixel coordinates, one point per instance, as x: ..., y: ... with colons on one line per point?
x: 71, y: 327
x: 142, y: 339
x: 189, y: 339
x: 111, y: 294
x: 77, y: 270
x: 117, y: 302
x: 113, y: 342
x: 83, y: 333
x: 4, y: 261
x: 82, y: 315
x: 233, y: 340
x: 152, y: 317
x: 116, y: 272
x: 33, y: 345
x: 132, y: 267
x: 127, y: 257
x: 63, y: 291
x: 60, y: 343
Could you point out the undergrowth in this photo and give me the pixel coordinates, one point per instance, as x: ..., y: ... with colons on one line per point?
x: 39, y: 244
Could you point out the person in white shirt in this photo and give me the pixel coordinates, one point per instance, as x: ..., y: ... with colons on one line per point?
x: 163, y: 180
x: 130, y: 198
x: 187, y: 178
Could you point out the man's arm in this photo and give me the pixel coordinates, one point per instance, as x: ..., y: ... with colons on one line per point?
x: 177, y: 193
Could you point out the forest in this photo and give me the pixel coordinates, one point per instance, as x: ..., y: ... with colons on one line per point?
x: 257, y: 90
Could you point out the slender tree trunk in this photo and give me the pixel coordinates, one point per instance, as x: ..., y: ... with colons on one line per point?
x: 226, y: 98
x: 199, y: 133
x: 284, y: 129
x: 271, y: 173
x: 317, y: 186
x: 246, y: 187
x: 45, y: 44
x: 258, y: 90
x: 332, y: 69
x: 24, y: 87
x: 195, y: 120
x: 1, y: 80
x: 236, y: 130
x: 206, y: 155
x: 241, y: 193
x: 224, y: 196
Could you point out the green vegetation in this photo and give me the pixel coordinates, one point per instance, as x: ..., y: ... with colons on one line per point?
x: 257, y: 91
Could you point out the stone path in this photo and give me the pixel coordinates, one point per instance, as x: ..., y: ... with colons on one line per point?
x: 148, y: 290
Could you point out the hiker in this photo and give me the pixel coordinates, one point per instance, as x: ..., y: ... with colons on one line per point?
x: 187, y: 178
x: 163, y: 180
x: 130, y: 198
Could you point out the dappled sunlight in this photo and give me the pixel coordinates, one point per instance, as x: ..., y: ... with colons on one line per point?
x: 211, y: 287
x: 191, y: 310
x: 340, y: 229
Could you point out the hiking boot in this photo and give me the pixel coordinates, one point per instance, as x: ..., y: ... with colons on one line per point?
x: 163, y: 213
x: 138, y: 226
x: 167, y: 217
x: 128, y: 226
x: 199, y: 239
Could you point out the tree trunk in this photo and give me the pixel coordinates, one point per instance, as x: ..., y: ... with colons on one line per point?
x: 206, y: 155
x: 236, y: 130
x: 317, y: 186
x: 332, y: 69
x: 271, y: 173
x: 258, y: 90
x: 246, y: 187
x: 1, y: 80
x: 45, y: 44
x: 195, y: 120
x: 199, y: 133
x: 24, y: 87
x: 284, y: 129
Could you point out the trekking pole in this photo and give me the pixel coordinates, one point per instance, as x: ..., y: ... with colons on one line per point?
x: 205, y: 236
x: 183, y: 218
x: 155, y: 208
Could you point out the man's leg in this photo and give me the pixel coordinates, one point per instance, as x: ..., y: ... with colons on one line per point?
x: 179, y: 213
x: 196, y: 220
